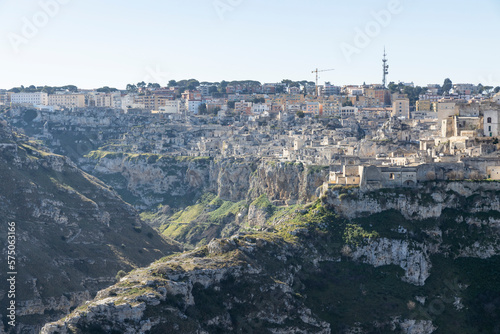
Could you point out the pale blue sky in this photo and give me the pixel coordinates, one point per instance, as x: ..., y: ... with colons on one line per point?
x: 93, y: 43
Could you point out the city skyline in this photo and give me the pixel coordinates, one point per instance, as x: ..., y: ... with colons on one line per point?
x: 91, y: 44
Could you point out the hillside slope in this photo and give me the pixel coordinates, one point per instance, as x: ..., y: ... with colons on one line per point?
x: 338, y: 266
x: 73, y: 232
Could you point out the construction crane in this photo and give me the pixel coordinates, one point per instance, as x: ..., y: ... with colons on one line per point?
x: 317, y: 76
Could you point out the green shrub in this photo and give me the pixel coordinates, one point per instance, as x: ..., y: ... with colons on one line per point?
x: 120, y: 274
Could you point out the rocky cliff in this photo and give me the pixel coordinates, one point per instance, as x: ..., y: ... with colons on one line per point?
x: 427, y: 201
x: 147, y: 180
x: 220, y: 288
x: 353, y: 262
x: 73, y: 233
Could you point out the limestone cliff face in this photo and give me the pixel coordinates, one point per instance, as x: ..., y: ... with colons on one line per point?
x: 148, y: 180
x: 412, y: 257
x: 288, y: 183
x: 426, y: 201
x: 218, y: 289
x: 230, y: 178
x: 329, y: 268
x: 73, y: 232
x: 257, y: 216
x: 465, y: 223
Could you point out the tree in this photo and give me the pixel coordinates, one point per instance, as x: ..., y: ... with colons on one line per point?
x: 413, y: 93
x: 120, y: 275
x: 488, y: 90
x: 280, y: 89
x: 393, y: 88
x: 71, y: 88
x: 202, y: 109
x: 48, y: 90
x: 455, y: 175
x: 192, y: 84
x: 300, y: 114
x: 172, y: 83
x: 476, y: 175
x: 259, y: 100
x: 497, y: 89
x: 231, y: 104
x: 141, y: 84
x: 480, y: 88
x: 106, y: 89
x: 131, y: 88
x: 447, y: 86
x: 212, y: 89
x: 347, y: 103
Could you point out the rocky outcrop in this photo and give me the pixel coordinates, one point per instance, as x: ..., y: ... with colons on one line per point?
x: 410, y: 256
x: 427, y: 201
x: 464, y: 216
x: 230, y: 178
x: 415, y: 326
x: 73, y: 233
x: 257, y: 216
x: 148, y: 180
x: 288, y: 183
x: 220, y: 289
x: 331, y: 274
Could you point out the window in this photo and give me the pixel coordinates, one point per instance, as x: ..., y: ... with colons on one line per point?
x: 489, y: 128
x: 489, y: 119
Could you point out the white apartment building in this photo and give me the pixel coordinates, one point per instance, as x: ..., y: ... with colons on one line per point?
x: 491, y: 120
x: 106, y: 100
x: 192, y: 106
x: 127, y: 101
x: 464, y: 89
x: 348, y: 111
x: 67, y: 100
x: 332, y: 108
x: 496, y: 98
x: 171, y: 107
x: 38, y: 98
x: 260, y: 108
x: 400, y: 106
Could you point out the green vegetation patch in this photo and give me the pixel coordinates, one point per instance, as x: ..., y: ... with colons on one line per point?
x: 147, y: 157
x: 225, y: 209
x: 264, y: 203
x: 356, y: 235
x: 313, y: 169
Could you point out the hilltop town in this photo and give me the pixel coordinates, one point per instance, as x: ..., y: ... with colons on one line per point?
x: 368, y: 135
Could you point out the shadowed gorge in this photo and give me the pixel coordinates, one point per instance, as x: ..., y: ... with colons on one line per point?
x: 73, y: 232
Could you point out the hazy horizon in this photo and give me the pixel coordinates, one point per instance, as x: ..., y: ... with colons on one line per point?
x: 94, y: 44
